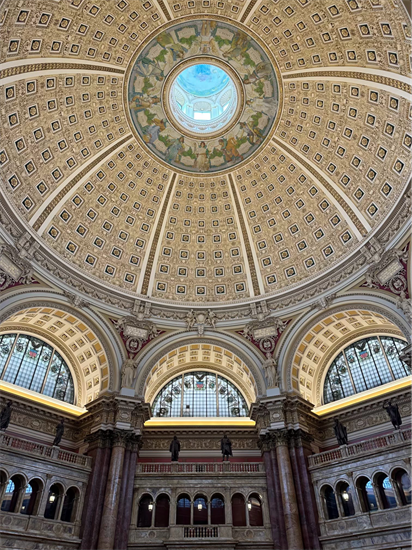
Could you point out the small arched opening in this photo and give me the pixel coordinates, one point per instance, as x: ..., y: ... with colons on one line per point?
x: 238, y: 510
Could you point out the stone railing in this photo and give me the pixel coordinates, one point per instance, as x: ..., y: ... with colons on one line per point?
x: 357, y: 449
x: 200, y: 532
x: 200, y: 468
x: 38, y: 449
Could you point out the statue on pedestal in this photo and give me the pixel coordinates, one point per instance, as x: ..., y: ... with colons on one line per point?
x: 393, y: 413
x: 59, y: 433
x: 128, y: 371
x: 5, y: 416
x: 175, y: 449
x: 226, y: 447
x: 341, y: 432
x: 270, y: 370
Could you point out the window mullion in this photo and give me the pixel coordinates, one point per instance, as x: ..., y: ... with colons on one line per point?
x: 350, y: 374
x: 386, y: 358
x: 21, y: 361
x: 47, y: 372
x: 217, y: 396
x: 9, y: 357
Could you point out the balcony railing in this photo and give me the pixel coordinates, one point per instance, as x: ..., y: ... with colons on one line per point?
x: 200, y: 467
x: 200, y: 532
x: 38, y: 449
x: 358, y: 449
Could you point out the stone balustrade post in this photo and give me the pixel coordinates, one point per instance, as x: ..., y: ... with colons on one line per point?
x: 290, y: 506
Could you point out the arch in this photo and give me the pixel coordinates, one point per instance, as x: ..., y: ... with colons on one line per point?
x: 200, y: 510
x: 12, y: 493
x: 304, y: 363
x: 385, y: 490
x: 70, y: 505
x: 238, y: 510
x: 183, y: 506
x: 95, y: 364
x: 159, y: 352
x: 32, y: 497
x: 54, y: 500
x: 329, y: 502
x: 162, y: 511
x: 217, y: 509
x: 4, y: 476
x: 254, y: 505
x: 402, y: 480
x: 367, y: 497
x: 145, y: 513
x: 344, y: 493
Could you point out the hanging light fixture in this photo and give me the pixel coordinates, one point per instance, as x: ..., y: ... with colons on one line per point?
x: 345, y: 496
x: 249, y: 505
x: 52, y: 498
x: 150, y: 506
x: 199, y: 506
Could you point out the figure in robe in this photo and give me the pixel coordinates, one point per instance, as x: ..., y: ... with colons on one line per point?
x: 226, y: 447
x: 393, y: 413
x: 59, y: 433
x: 341, y: 432
x: 5, y: 416
x: 175, y: 449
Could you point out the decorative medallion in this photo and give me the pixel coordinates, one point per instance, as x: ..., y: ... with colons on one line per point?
x: 202, y: 96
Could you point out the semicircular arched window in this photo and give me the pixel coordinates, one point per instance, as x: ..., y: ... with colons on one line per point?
x: 31, y: 363
x: 199, y: 394
x: 363, y: 365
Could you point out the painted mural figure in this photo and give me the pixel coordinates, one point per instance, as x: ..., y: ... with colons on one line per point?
x: 202, y: 162
x: 175, y: 150
x: 152, y: 132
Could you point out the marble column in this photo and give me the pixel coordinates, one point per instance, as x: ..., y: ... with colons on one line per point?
x: 275, y: 515
x: 304, y: 524
x: 287, y: 486
x: 120, y: 513
x: 99, y: 450
x: 112, y: 494
x: 124, y: 519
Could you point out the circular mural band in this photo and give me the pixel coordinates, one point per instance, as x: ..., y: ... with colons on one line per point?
x: 202, y: 96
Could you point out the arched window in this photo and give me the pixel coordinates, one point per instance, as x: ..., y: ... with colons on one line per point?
x: 162, y: 511
x: 70, y: 504
x: 329, y: 499
x: 345, y: 496
x: 200, y: 510
x: 183, y: 510
x: 53, y: 501
x: 144, y: 518
x: 238, y: 510
x: 386, y: 491
x: 32, y: 496
x: 217, y: 510
x: 366, y: 495
x: 31, y: 363
x: 12, y: 494
x: 403, y: 482
x: 363, y: 365
x: 199, y: 394
x: 254, y: 506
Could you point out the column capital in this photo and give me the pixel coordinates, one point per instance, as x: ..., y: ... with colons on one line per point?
x: 120, y: 438
x: 100, y: 439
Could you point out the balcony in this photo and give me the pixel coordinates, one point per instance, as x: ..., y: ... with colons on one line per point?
x: 224, y: 468
x: 367, y: 447
x: 55, y: 454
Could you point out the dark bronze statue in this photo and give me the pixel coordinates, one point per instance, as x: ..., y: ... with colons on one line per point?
x: 226, y: 447
x: 175, y: 449
x: 5, y: 416
x: 393, y: 413
x: 341, y: 432
x: 59, y: 433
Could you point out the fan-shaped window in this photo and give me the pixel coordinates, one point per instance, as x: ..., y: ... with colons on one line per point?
x: 367, y: 495
x: 363, y: 365
x: 238, y: 510
x: 331, y: 506
x: 29, y: 362
x: 31, y: 499
x: 403, y: 482
x: 217, y: 510
x: 162, y: 511
x: 200, y: 394
x: 144, y: 518
x: 183, y: 510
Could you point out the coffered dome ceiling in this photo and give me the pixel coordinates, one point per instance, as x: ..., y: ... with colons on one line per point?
x: 312, y: 161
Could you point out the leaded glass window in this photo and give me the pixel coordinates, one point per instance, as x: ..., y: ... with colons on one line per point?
x: 31, y: 363
x: 363, y: 365
x: 199, y: 394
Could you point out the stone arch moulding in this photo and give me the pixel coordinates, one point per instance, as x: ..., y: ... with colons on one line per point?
x: 105, y: 335
x: 149, y: 358
x: 373, y: 304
